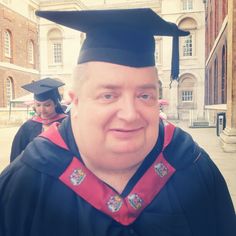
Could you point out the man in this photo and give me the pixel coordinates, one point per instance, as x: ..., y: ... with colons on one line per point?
x: 113, y: 168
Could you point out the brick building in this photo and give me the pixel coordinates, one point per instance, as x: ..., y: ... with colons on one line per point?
x: 216, y: 52
x: 220, y: 84
x: 19, y: 51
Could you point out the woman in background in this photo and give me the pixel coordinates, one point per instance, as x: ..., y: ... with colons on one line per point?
x: 47, y: 110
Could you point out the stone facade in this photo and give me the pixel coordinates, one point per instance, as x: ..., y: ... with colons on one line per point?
x: 186, y: 96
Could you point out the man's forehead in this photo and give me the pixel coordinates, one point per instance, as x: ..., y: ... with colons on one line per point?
x: 109, y: 75
x: 117, y: 85
x: 105, y: 67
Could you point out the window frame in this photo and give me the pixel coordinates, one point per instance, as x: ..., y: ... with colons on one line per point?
x: 9, y: 90
x: 7, y: 44
x: 186, y: 94
x: 31, y: 52
x: 187, y: 46
x: 187, y: 5
x: 56, y: 52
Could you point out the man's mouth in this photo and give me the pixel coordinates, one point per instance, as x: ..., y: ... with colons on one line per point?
x: 125, y: 133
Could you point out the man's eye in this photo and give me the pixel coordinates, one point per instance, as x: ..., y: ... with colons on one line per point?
x: 145, y: 96
x: 148, y: 98
x: 108, y: 96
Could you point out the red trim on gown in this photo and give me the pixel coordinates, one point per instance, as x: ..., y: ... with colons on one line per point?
x: 48, y: 121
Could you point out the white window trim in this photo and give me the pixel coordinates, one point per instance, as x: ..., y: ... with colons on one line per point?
x: 56, y: 54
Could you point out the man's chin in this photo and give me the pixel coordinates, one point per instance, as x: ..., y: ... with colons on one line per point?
x: 127, y: 149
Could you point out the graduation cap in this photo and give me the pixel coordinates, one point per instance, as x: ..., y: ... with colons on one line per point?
x: 45, y: 89
x: 124, y: 37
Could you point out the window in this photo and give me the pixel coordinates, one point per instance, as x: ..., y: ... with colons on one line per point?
x: 215, y: 87
x: 7, y: 43
x: 187, y: 5
x: 188, y: 46
x: 31, y: 52
x: 224, y: 79
x: 187, y: 96
x: 57, y: 53
x: 188, y: 43
x: 9, y: 90
x: 55, y: 47
x: 187, y: 91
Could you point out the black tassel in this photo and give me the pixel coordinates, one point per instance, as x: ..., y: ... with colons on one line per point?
x: 175, y: 59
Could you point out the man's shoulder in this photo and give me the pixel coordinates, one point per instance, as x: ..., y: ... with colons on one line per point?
x: 182, y: 151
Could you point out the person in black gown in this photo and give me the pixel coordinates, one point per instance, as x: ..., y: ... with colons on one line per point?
x: 47, y: 110
x: 113, y: 167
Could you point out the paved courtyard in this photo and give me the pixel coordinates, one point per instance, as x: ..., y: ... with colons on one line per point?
x: 205, y: 137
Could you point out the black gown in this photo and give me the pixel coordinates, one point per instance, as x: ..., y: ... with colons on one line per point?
x: 27, y: 132
x: 184, y: 195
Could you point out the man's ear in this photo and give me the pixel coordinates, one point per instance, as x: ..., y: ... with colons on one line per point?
x: 73, y: 97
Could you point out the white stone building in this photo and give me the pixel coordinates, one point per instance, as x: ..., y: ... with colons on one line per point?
x: 186, y: 96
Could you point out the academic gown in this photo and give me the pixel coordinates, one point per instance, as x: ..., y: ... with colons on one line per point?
x: 177, y: 191
x: 28, y: 131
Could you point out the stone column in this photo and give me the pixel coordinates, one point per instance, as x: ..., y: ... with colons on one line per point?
x: 228, y: 136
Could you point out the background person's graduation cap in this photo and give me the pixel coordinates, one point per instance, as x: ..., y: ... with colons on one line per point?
x: 45, y: 89
x: 123, y: 37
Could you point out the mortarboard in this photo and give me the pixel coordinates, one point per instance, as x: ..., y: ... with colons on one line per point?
x: 45, y: 89
x: 123, y: 36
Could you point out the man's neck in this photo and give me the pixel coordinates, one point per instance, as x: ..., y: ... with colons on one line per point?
x: 117, y: 179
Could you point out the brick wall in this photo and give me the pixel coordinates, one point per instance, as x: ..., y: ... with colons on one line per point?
x: 19, y: 78
x: 18, y: 67
x: 216, y: 50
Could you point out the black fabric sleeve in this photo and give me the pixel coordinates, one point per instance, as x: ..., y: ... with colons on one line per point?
x: 19, y: 143
x: 26, y: 133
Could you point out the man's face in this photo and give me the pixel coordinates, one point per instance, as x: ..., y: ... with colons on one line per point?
x: 115, y: 115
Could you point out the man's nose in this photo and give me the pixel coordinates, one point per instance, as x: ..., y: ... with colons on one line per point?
x: 128, y: 110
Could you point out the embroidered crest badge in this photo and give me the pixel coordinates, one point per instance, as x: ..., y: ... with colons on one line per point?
x: 135, y: 201
x: 77, y: 176
x: 161, y: 169
x: 114, y: 204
